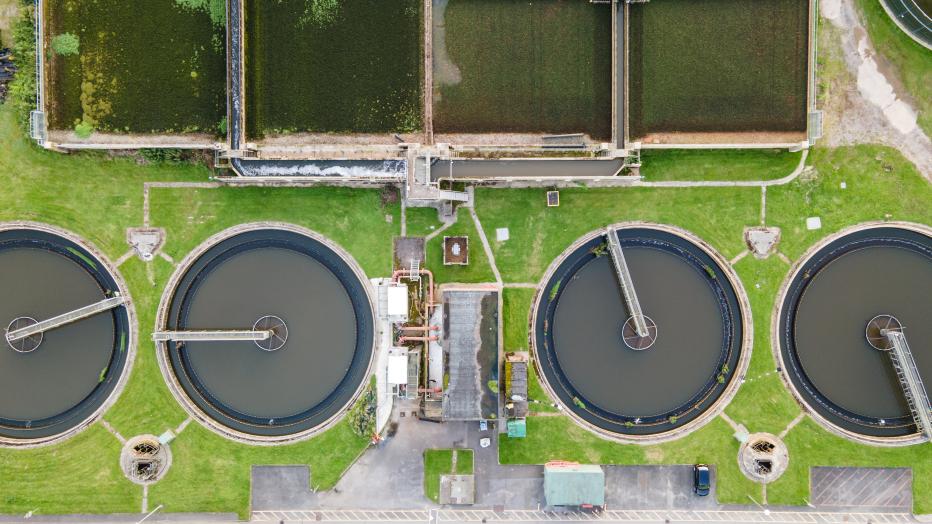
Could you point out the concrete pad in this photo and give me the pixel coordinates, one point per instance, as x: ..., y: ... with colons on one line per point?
x: 762, y: 241
x: 881, y: 489
x: 457, y: 489
x: 655, y: 487
x: 502, y: 234
x: 813, y: 223
x: 146, y: 242
x: 282, y: 487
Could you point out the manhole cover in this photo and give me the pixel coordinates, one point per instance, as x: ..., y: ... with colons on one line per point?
x: 763, y: 457
x: 144, y: 459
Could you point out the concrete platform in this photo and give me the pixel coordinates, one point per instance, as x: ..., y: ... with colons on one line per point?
x: 874, y: 488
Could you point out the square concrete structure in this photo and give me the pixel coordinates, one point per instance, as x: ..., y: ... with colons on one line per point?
x: 455, y: 251
x: 457, y: 489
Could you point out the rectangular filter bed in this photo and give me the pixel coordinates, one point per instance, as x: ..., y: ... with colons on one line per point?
x: 153, y: 66
x: 505, y: 66
x: 718, y: 66
x: 348, y: 66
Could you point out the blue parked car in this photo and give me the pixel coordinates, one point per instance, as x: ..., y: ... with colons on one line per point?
x: 702, y: 479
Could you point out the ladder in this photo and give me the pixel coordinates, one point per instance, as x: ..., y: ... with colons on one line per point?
x: 627, y: 285
x: 414, y: 272
x: 914, y: 390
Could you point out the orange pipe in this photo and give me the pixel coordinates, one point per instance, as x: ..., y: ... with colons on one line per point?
x: 402, y: 340
x: 430, y: 281
x: 421, y: 328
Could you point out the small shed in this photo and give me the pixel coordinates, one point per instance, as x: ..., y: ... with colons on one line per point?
x: 517, y: 428
x: 568, y: 484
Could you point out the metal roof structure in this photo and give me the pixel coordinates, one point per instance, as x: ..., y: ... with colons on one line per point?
x: 573, y: 485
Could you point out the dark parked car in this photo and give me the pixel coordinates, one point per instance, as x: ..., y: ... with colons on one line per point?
x: 702, y: 479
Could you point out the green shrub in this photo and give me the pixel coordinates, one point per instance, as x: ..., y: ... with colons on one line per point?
x: 22, y: 95
x: 162, y: 156
x: 362, y: 414
x: 84, y: 129
x: 320, y: 12
x: 217, y: 9
x: 66, y: 44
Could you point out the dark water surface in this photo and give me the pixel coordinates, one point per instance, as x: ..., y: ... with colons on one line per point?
x: 587, y: 334
x: 321, y: 332
x: 834, y: 311
x: 67, y: 366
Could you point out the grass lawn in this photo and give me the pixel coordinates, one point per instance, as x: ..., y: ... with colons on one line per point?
x: 911, y: 61
x: 517, y: 311
x: 99, y: 204
x: 880, y: 184
x: 539, y: 234
x: 523, y: 66
x: 717, y: 164
x: 354, y: 67
x: 439, y: 462
x: 478, y: 269
x: 721, y: 65
x: 142, y: 67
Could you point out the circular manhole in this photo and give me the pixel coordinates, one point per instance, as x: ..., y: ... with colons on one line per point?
x: 763, y: 457
x: 145, y: 460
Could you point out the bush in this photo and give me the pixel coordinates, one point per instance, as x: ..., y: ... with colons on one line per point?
x: 162, y: 156
x: 321, y: 13
x: 66, y: 44
x: 217, y: 9
x: 84, y: 129
x: 23, y: 88
x: 362, y: 415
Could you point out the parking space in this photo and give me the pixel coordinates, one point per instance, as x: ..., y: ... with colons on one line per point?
x: 276, y: 487
x: 655, y: 487
x: 875, y: 488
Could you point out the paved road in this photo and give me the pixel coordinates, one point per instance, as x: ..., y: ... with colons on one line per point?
x: 666, y: 517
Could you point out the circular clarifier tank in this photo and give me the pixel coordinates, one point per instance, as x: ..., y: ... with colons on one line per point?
x: 269, y: 332
x: 56, y: 380
x: 683, y: 366
x: 834, y: 312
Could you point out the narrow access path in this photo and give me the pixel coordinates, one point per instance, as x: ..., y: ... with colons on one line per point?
x: 799, y: 418
x: 113, y: 431
x: 485, y: 245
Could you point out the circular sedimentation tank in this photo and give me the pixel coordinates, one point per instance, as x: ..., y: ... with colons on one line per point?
x: 314, y: 303
x: 642, y: 388
x: 832, y: 308
x: 57, y: 382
